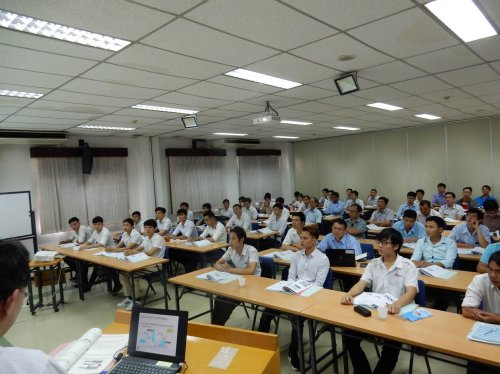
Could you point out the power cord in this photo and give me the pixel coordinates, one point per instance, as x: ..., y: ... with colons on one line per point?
x: 186, y: 368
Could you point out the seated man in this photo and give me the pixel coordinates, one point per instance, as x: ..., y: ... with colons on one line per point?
x: 328, y: 200
x: 278, y: 222
x: 306, y: 200
x: 383, y: 216
x: 356, y: 226
x: 239, y: 219
x: 215, y: 231
x: 466, y: 202
x: 482, y: 265
x: 450, y: 209
x: 355, y: 200
x: 249, y: 209
x: 190, y: 215
x: 204, y: 208
x: 313, y: 214
x: 485, y: 289
x: 295, y: 197
x: 410, y: 198
x: 79, y: 233
x: 309, y: 265
x: 420, y: 195
x: 267, y: 208
x: 324, y: 196
x: 379, y: 275
x: 339, y: 238
x: 410, y: 229
x: 485, y: 196
x: 492, y: 218
x: 164, y: 225
x: 226, y: 211
x: 348, y: 200
x: 439, y: 198
x: 298, y: 206
x: 138, y: 222
x: 286, y: 212
x: 335, y: 206
x: 14, y: 264
x: 152, y: 245
x: 292, y: 238
x: 185, y: 229
x: 241, y: 200
x: 131, y: 238
x: 372, y: 198
x: 245, y: 259
x: 473, y: 233
x: 426, y: 211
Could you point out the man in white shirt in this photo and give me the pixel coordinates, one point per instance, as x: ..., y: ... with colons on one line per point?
x: 239, y: 219
x: 190, y: 215
x: 295, y: 197
x: 13, y: 295
x: 324, y: 196
x: 306, y: 201
x: 185, y: 229
x: 450, y: 209
x: 383, y: 216
x: 245, y: 258
x: 204, y: 208
x: 152, y: 245
x: 249, y: 209
x: 328, y: 200
x: 215, y: 231
x: 267, y: 207
x: 372, y: 198
x: 426, y: 211
x: 310, y: 265
x: 138, y: 222
x: 391, y: 274
x: 292, y: 238
x: 226, y: 211
x: 278, y: 222
x: 298, y: 206
x: 348, y: 199
x: 79, y: 233
x: 163, y: 222
x: 313, y: 214
x: 286, y: 212
x: 355, y: 200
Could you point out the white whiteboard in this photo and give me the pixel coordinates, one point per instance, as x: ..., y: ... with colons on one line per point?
x: 15, y: 217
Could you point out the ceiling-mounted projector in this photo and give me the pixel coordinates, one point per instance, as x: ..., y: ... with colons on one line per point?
x: 270, y: 116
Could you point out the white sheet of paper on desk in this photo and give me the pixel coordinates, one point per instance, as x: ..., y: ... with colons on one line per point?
x: 266, y: 221
x: 485, y: 333
x: 374, y: 300
x: 373, y: 227
x: 202, y: 243
x: 409, y: 245
x: 470, y: 251
x: 223, y: 358
x: 436, y: 272
x: 137, y: 257
x: 451, y: 220
x: 76, y: 248
x: 278, y: 287
x: 265, y: 230
x: 201, y: 227
x: 67, y: 245
x: 285, y: 255
x: 361, y: 256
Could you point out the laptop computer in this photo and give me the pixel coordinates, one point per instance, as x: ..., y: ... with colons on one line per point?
x: 156, y: 335
x: 341, y: 257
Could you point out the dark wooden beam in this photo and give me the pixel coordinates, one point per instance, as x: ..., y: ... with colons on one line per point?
x: 258, y: 152
x: 36, y: 152
x: 183, y: 152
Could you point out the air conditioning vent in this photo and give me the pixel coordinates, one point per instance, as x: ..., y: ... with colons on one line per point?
x: 234, y: 143
x: 32, y: 137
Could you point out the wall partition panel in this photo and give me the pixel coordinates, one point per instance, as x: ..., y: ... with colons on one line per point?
x: 359, y: 164
x: 330, y: 164
x: 306, y: 167
x: 495, y: 166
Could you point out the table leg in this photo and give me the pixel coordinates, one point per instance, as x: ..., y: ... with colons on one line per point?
x: 312, y: 345
x: 132, y: 284
x: 61, y: 288
x: 177, y: 300
x: 30, y: 291
x: 203, y: 260
x: 79, y: 277
x: 164, y: 273
x: 53, y: 289
x: 346, y: 354
x: 297, y: 324
x: 211, y: 297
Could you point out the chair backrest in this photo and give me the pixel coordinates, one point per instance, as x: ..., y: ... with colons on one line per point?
x: 456, y: 264
x: 258, y: 210
x: 367, y: 248
x: 266, y: 267
x: 329, y: 280
x: 481, y: 306
x: 420, y: 296
x: 255, y: 225
x: 286, y: 231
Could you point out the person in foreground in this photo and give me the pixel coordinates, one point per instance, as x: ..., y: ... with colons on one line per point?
x: 485, y: 288
x: 390, y: 273
x: 14, y: 260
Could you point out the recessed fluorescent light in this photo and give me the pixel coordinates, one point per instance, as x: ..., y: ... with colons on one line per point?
x: 26, y: 95
x: 286, y: 137
x: 53, y: 30
x: 106, y: 128
x: 296, y: 123
x: 463, y: 18
x: 384, y: 106
x: 163, y: 109
x: 228, y: 134
x: 346, y: 128
x: 262, y: 78
x: 427, y: 116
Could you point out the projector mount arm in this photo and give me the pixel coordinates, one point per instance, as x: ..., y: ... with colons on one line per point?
x: 270, y: 110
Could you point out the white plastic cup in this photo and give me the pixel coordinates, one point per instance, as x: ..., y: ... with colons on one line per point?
x: 177, y: 240
x: 382, y: 313
x: 241, y: 281
x: 172, y: 240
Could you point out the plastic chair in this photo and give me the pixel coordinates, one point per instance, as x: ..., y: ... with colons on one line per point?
x: 367, y: 248
x: 420, y: 300
x: 267, y: 271
x: 258, y: 210
x: 149, y: 278
x: 255, y: 226
x: 328, y: 284
x: 456, y: 264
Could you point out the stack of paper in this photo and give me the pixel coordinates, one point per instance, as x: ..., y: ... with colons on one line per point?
x: 470, y: 251
x: 373, y: 227
x: 219, y: 276
x: 265, y: 230
x: 201, y: 243
x: 409, y: 245
x: 67, y: 245
x: 299, y: 287
x: 436, y: 272
x: 285, y: 255
x: 374, y: 300
x: 451, y: 220
x: 485, y: 333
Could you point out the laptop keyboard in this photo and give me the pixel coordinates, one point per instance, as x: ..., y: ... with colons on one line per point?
x: 129, y: 367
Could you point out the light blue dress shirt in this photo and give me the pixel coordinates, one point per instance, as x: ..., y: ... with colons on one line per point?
x: 461, y: 234
x: 445, y: 251
x: 417, y: 231
x: 335, y: 209
x: 347, y: 242
x: 405, y: 207
x: 313, y: 216
x: 492, y: 248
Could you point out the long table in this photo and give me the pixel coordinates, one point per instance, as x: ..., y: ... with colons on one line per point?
x: 123, y: 266
x: 199, y: 252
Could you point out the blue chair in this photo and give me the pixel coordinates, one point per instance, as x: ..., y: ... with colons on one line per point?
x: 267, y: 271
x: 328, y: 284
x: 420, y: 300
x: 456, y: 264
x: 367, y: 248
x: 258, y: 210
x: 149, y: 278
x: 255, y: 226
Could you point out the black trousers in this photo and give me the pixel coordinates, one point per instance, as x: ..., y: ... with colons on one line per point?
x: 223, y: 310
x: 442, y: 298
x: 103, y: 270
x: 190, y: 263
x: 473, y: 367
x: 265, y: 326
x: 386, y: 363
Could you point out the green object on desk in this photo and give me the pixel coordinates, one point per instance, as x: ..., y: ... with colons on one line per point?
x: 311, y: 291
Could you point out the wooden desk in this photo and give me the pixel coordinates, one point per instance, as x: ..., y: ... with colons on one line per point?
x: 258, y: 352
x: 330, y: 219
x: 443, y: 332
x: 453, y: 224
x: 199, y: 252
x: 494, y: 239
x: 374, y: 208
x: 123, y: 266
x: 35, y: 267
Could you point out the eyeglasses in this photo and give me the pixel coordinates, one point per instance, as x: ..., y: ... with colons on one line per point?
x: 383, y: 242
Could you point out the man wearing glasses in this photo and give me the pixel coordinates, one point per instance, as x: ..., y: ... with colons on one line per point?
x: 215, y: 231
x: 340, y: 239
x: 473, y: 233
x: 383, y: 216
x: 466, y: 202
x: 14, y: 264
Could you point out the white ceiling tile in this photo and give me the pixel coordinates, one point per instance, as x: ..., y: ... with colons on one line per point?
x: 490, y: 99
x: 111, y: 89
x: 478, y: 110
x: 464, y: 103
x: 309, y: 117
x: 217, y: 91
x: 54, y: 114
x: 172, y: 6
x: 306, y: 93
x: 373, y: 117
x: 496, y: 66
x: 32, y: 126
x: 8, y: 110
x: 399, y: 113
x: 19, y: 58
x: 348, y: 113
x: 451, y: 58
x: 276, y: 101
x: 241, y: 83
x: 487, y: 48
x: 470, y: 75
x: 223, y: 113
x: 492, y: 9
x: 327, y: 51
x: 92, y: 99
x: 431, y: 109
x: 460, y: 118
x: 29, y: 78
x: 408, y: 102
x: 15, y: 101
x: 204, y: 120
x: 128, y: 119
x: 134, y: 113
x: 345, y: 101
x: 237, y: 122
x: 405, y: 34
x: 446, y: 113
x: 257, y: 21
x: 399, y: 121
x: 45, y: 120
x: 439, y: 96
x: 104, y: 17
x: 314, y: 107
x: 68, y: 107
x: 166, y: 127
x: 242, y: 107
x: 18, y: 87
x: 191, y: 100
x: 391, y: 72
x: 345, y: 14
x: 156, y: 60
x: 381, y: 93
x: 422, y: 85
x: 132, y: 77
x: 483, y: 88
x: 193, y: 39
x: 349, y: 121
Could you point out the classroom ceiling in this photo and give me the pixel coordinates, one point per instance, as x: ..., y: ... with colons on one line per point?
x: 180, y: 50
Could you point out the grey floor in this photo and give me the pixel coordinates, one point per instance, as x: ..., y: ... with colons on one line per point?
x: 47, y: 329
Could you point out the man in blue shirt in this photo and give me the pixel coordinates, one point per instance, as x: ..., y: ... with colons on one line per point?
x: 473, y: 233
x: 409, y: 227
x: 313, y: 214
x: 482, y: 265
x: 335, y: 207
x: 340, y: 239
x: 410, y: 198
x: 439, y: 197
x: 486, y: 195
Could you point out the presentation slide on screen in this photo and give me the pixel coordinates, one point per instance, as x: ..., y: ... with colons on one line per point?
x: 157, y: 334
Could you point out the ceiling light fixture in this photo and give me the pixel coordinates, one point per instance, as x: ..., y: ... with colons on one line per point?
x: 463, y: 18
x: 384, y: 106
x: 346, y: 128
x: 106, y: 128
x: 228, y: 134
x: 164, y: 109
x: 55, y: 31
x: 262, y: 78
x: 296, y: 123
x: 286, y: 137
x: 26, y: 95
x: 427, y: 116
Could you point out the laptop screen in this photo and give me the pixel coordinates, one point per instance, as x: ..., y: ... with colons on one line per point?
x: 158, y: 334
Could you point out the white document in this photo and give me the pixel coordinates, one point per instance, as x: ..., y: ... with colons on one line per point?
x: 265, y: 230
x: 76, y: 248
x: 201, y: 243
x: 374, y: 300
x: 92, y: 353
x: 285, y: 255
x: 373, y: 227
x: 451, y: 220
x: 470, y: 251
x: 266, y: 221
x: 120, y: 256
x: 361, y: 256
x: 433, y: 271
x: 201, y: 227
x: 215, y: 276
x: 278, y: 287
x: 409, y: 245
x: 297, y: 287
x: 137, y: 257
x: 67, y: 245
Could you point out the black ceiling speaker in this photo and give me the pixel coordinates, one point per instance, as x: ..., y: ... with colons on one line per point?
x: 87, y: 159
